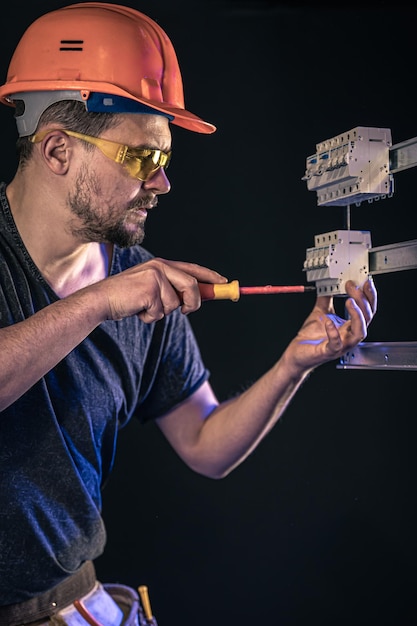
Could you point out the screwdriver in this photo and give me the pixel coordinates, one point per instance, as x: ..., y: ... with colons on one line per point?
x: 146, y: 604
x: 233, y: 291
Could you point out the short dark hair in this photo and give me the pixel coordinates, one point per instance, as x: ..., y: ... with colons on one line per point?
x: 73, y: 115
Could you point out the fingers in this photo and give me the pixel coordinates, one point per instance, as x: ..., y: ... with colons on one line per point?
x: 361, y: 307
x: 355, y: 329
x: 371, y: 293
x: 156, y: 300
x: 334, y: 344
x: 365, y: 298
x: 325, y: 336
x: 184, y: 278
x: 199, y: 272
x: 157, y: 287
x: 325, y: 304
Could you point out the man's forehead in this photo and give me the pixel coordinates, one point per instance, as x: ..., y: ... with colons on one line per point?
x: 138, y: 129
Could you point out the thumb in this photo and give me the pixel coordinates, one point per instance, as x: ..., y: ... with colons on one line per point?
x: 325, y: 304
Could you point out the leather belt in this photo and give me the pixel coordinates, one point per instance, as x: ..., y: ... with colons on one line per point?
x: 72, y: 588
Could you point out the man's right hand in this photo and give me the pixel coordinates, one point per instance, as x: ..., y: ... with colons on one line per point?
x: 155, y: 288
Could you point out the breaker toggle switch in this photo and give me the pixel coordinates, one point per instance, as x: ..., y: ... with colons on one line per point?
x: 336, y: 257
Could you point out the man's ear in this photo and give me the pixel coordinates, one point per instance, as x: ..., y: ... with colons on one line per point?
x: 55, y: 149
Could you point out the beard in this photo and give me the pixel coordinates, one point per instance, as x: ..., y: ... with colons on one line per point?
x: 122, y: 227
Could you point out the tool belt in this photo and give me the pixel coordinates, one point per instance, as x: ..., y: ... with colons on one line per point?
x: 81, y: 599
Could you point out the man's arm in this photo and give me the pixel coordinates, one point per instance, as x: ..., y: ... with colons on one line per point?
x: 214, y: 438
x: 31, y: 348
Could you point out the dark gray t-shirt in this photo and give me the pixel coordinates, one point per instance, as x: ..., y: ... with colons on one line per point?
x: 57, y: 442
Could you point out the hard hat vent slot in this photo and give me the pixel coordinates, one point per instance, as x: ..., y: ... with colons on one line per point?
x: 71, y: 44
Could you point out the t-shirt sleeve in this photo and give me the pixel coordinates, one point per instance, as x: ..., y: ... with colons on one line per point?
x: 174, y: 368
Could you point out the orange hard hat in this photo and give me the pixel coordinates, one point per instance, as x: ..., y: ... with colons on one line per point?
x: 90, y: 48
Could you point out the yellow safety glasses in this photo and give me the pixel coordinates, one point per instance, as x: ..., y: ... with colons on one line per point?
x: 141, y: 163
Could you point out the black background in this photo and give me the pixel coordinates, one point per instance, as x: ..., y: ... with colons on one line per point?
x: 318, y: 525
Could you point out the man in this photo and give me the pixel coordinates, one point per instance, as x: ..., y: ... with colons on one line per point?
x: 94, y: 330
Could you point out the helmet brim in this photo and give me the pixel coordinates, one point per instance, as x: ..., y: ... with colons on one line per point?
x: 180, y: 117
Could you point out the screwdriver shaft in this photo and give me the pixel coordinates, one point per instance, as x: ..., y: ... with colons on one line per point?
x: 247, y: 291
x: 232, y: 291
